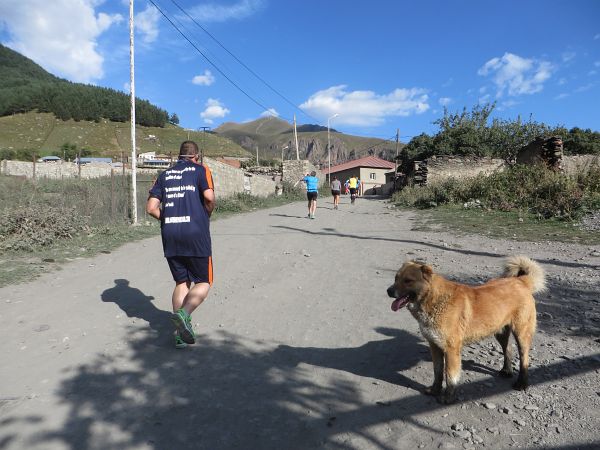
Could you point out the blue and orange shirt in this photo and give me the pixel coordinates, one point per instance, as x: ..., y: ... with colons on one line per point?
x: 184, y: 220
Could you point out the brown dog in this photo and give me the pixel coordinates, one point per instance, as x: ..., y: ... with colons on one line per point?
x: 451, y: 315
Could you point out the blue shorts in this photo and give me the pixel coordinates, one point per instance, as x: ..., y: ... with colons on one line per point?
x: 191, y: 268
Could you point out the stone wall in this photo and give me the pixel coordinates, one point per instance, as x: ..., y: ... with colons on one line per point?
x: 294, y: 170
x: 443, y: 167
x: 578, y: 163
x: 228, y: 180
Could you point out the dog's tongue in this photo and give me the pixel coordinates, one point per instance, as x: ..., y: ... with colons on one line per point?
x: 399, y: 303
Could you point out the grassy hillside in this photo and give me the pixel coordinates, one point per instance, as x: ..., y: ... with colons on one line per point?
x: 45, y: 134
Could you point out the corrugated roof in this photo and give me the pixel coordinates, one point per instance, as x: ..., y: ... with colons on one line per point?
x: 367, y: 161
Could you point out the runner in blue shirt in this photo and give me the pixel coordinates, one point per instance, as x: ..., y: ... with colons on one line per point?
x: 312, y: 192
x: 185, y: 192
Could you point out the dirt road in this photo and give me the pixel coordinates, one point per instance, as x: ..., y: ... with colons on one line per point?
x: 298, y: 345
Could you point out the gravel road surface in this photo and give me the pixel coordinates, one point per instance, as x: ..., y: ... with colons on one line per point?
x: 298, y: 347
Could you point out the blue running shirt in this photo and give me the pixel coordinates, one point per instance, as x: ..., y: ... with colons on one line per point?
x: 184, y: 222
x: 312, y: 183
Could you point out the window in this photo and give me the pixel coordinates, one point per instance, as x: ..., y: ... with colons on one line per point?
x: 372, y: 176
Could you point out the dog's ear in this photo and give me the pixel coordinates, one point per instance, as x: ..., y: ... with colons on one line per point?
x: 427, y: 272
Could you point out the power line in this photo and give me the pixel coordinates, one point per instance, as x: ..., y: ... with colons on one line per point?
x: 243, y: 64
x: 208, y: 59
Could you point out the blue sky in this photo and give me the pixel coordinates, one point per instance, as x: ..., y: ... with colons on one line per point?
x: 380, y: 65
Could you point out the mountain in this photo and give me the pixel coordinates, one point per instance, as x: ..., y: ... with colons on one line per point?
x: 25, y: 86
x: 40, y: 112
x: 270, y: 135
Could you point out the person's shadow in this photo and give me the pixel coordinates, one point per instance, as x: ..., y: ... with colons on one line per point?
x: 135, y: 303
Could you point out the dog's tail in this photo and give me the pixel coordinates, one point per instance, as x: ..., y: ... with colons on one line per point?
x: 532, y: 272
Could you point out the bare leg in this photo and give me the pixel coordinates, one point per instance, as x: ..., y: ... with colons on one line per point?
x: 195, y: 297
x: 437, y: 356
x: 503, y: 338
x: 181, y: 290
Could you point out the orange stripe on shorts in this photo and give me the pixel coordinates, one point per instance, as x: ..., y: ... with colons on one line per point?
x: 210, y: 270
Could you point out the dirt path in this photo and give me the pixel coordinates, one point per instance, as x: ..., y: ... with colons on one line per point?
x: 298, y: 345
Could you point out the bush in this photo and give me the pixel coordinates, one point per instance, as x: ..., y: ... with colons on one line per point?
x: 534, y: 188
x: 25, y: 229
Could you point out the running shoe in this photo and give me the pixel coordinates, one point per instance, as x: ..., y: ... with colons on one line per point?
x: 179, y: 342
x: 183, y: 322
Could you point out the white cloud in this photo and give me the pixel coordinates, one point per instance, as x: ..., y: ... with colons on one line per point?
x: 214, y: 110
x: 562, y: 81
x: 568, y: 56
x: 445, y: 101
x: 271, y: 112
x: 592, y: 73
x: 205, y: 79
x: 585, y: 87
x: 561, y: 96
x: 517, y: 75
x: 146, y: 23
x: 597, y: 63
x: 214, y: 12
x: 597, y: 36
x: 484, y: 99
x: 365, y: 108
x: 60, y: 35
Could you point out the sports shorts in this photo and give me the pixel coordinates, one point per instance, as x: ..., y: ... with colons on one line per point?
x: 335, y: 192
x: 312, y: 195
x: 352, y: 191
x: 191, y: 268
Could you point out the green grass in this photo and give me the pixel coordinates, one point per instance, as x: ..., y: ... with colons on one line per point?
x: 513, y: 225
x: 45, y: 134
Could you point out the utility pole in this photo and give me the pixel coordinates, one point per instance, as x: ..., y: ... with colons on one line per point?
x: 132, y: 89
x: 396, y: 158
x: 203, y: 143
x: 296, y: 137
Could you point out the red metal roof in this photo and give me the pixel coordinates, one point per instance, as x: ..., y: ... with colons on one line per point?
x: 367, y: 161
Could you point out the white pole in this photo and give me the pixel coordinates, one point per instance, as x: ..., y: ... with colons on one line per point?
x: 134, y: 217
x: 296, y: 137
x: 329, y: 148
x: 328, y: 156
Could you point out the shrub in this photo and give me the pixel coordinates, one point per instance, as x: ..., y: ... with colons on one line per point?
x: 534, y: 188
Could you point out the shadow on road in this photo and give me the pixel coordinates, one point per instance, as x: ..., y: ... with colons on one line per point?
x: 333, y: 233
x: 135, y: 303
x: 232, y: 392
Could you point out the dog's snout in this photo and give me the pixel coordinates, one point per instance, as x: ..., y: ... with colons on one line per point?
x: 391, y: 291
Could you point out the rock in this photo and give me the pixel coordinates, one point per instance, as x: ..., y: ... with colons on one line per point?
x: 493, y: 430
x: 490, y: 405
x: 463, y: 434
x: 520, y: 422
x: 506, y: 410
x: 531, y: 408
x: 458, y: 426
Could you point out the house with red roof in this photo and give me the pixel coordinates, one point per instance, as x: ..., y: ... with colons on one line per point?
x: 370, y: 170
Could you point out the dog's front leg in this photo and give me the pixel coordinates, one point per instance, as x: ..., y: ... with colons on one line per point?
x: 453, y: 368
x: 437, y: 355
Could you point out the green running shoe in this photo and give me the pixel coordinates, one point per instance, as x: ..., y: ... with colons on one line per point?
x: 183, y: 323
x: 179, y: 342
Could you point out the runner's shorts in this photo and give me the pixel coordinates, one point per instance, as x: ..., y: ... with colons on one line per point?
x: 335, y: 192
x: 312, y: 195
x: 190, y: 268
x: 352, y: 191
